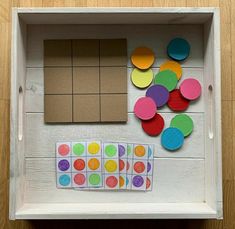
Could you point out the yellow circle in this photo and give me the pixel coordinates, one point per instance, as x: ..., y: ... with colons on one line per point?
x: 173, y: 66
x: 142, y: 58
x: 142, y: 79
x: 139, y: 151
x: 93, y: 164
x: 121, y: 181
x: 111, y: 166
x: 93, y: 148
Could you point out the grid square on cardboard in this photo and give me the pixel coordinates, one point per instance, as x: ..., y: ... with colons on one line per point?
x: 91, y: 74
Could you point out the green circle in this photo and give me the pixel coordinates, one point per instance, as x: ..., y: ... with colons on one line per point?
x: 78, y: 149
x: 94, y: 179
x: 128, y: 150
x: 110, y: 150
x: 184, y: 123
x: 166, y: 78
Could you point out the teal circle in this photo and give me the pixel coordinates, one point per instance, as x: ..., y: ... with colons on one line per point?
x: 64, y: 180
x: 149, y: 152
x: 166, y: 78
x: 110, y: 150
x: 78, y: 149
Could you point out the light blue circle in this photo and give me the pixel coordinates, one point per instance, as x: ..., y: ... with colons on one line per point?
x: 172, y: 139
x: 178, y: 49
x: 149, y: 152
x: 64, y: 180
x: 127, y: 181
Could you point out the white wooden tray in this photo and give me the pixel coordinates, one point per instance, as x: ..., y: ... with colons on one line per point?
x: 187, y: 183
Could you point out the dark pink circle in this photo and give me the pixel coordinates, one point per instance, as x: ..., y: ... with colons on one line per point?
x: 145, y: 108
x: 191, y: 89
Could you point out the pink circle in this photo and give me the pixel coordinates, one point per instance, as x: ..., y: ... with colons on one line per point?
x: 79, y: 179
x: 111, y: 181
x: 190, y: 89
x: 63, y: 149
x: 145, y: 108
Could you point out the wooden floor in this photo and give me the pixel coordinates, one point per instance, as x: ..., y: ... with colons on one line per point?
x: 228, y: 111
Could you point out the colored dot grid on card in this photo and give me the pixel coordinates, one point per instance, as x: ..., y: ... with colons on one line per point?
x: 96, y: 165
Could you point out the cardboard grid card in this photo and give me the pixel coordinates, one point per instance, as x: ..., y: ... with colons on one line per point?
x: 84, y: 80
x: 104, y: 165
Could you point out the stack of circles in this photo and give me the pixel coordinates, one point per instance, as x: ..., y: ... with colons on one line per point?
x: 164, y: 91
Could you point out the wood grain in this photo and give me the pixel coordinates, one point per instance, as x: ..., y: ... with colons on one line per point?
x: 228, y: 97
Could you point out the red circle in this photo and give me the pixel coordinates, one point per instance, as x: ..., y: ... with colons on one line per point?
x: 79, y: 179
x: 127, y: 166
x: 63, y: 149
x: 121, y: 165
x: 111, y: 181
x: 148, y: 183
x: 139, y: 167
x: 153, y: 126
x: 79, y: 164
x: 177, y: 102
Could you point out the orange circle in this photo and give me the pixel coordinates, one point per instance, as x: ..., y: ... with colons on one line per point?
x: 121, y: 181
x: 139, y: 167
x: 139, y: 151
x: 121, y: 165
x: 173, y: 66
x: 142, y: 58
x: 93, y: 164
x: 79, y: 164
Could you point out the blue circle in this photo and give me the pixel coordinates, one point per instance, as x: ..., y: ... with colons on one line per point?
x: 172, y: 138
x: 178, y: 49
x: 149, y: 152
x: 64, y: 180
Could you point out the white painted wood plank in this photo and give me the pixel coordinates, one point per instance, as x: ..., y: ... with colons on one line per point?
x: 175, y: 180
x: 41, y: 138
x: 155, y: 37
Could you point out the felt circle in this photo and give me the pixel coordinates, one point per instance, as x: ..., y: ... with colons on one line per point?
x: 111, y: 181
x: 121, y: 150
x: 145, y: 108
x: 190, y: 88
x: 93, y: 163
x: 128, y: 150
x: 172, y: 139
x: 127, y: 165
x: 166, y: 78
x: 78, y: 149
x: 139, y: 167
x: 142, y: 79
x: 79, y: 164
x: 139, y: 151
x: 110, y: 166
x: 149, y: 166
x: 64, y: 180
x: 137, y: 181
x: 63, y: 165
x: 121, y: 181
x: 121, y: 165
x: 148, y: 183
x: 159, y: 94
x: 79, y: 179
x: 94, y: 179
x: 153, y: 126
x: 184, y: 123
x: 93, y: 148
x: 110, y: 150
x: 177, y: 102
x: 63, y: 149
x: 173, y: 66
x: 142, y: 57
x: 178, y: 49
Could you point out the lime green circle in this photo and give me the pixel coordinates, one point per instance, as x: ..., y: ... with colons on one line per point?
x: 110, y: 150
x: 128, y: 150
x: 94, y: 179
x: 166, y: 78
x: 184, y: 123
x: 142, y: 79
x: 78, y: 149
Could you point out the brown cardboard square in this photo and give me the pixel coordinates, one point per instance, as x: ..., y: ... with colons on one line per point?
x: 86, y: 108
x: 85, y: 52
x: 113, y: 79
x: 113, y: 108
x: 58, y: 80
x: 85, y: 80
x: 57, y: 53
x: 58, y: 108
x: 113, y: 52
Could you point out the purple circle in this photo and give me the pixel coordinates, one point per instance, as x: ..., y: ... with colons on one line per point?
x: 148, y: 167
x: 63, y: 165
x: 138, y: 181
x: 121, y: 150
x: 159, y: 94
